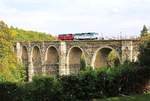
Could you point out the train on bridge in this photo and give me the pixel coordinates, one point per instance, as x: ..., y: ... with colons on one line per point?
x: 92, y: 36
x: 80, y: 36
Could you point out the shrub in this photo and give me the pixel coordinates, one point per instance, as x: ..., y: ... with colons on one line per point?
x: 8, y: 91
x: 144, y: 55
x: 71, y: 88
x: 87, y: 83
x: 43, y: 89
x: 79, y: 87
x: 105, y: 82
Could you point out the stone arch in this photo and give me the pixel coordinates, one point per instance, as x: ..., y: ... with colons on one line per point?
x: 36, y: 60
x: 100, y: 57
x: 52, y: 60
x: 74, y: 56
x: 24, y: 57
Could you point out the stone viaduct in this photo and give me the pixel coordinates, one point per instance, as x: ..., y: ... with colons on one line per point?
x: 64, y: 57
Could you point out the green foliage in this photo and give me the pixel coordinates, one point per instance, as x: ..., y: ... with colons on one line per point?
x: 43, y: 88
x: 71, y: 87
x: 113, y: 59
x: 23, y: 35
x: 10, y: 69
x: 79, y: 87
x: 87, y: 84
x: 144, y: 55
x: 82, y: 63
x: 144, y: 31
x: 40, y: 89
x: 8, y: 91
x: 123, y: 80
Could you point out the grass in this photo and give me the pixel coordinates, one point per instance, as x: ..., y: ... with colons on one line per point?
x: 144, y: 97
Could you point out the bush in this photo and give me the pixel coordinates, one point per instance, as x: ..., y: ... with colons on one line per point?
x: 144, y: 55
x: 79, y: 87
x: 106, y: 82
x: 106, y: 85
x: 8, y: 91
x: 87, y: 84
x: 43, y: 89
x: 71, y: 88
x: 125, y: 79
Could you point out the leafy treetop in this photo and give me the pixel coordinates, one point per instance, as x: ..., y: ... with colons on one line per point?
x: 144, y: 31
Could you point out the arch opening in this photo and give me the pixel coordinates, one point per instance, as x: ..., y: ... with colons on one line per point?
x: 76, y: 60
x: 52, y: 61
x: 24, y: 58
x: 106, y: 57
x: 36, y: 59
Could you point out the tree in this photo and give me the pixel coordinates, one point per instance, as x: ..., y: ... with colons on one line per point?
x: 82, y: 63
x: 10, y: 69
x: 144, y: 56
x: 112, y: 59
x: 144, y: 31
x: 23, y: 35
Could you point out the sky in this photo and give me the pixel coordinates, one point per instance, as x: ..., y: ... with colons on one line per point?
x: 108, y: 17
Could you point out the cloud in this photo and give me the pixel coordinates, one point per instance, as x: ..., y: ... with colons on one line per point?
x: 63, y: 16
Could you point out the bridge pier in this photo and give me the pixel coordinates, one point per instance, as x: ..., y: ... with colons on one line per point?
x: 129, y: 51
x: 30, y: 64
x: 63, y: 70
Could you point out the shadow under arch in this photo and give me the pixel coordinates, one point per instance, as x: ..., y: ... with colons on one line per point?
x: 36, y: 60
x: 75, y: 60
x: 24, y: 57
x: 52, y: 61
x: 100, y: 57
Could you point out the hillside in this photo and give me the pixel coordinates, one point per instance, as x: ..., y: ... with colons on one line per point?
x: 23, y: 35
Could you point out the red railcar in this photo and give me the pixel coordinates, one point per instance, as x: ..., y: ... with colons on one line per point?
x: 66, y: 37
